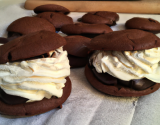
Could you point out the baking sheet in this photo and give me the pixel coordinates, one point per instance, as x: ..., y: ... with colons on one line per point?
x: 86, y: 106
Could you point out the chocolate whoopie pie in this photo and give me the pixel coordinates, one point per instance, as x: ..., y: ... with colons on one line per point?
x: 84, y: 29
x: 51, y: 8
x: 100, y: 17
x: 57, y: 19
x: 26, y: 25
x: 147, y: 24
x: 77, y: 50
x: 34, y: 74
x: 125, y: 63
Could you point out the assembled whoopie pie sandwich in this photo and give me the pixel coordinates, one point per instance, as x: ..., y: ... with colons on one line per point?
x: 125, y: 63
x: 34, y: 74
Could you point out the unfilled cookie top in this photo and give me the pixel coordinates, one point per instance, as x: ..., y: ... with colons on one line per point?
x: 51, y: 8
x: 27, y: 25
x: 57, y: 19
x: 101, y: 17
x: 77, y: 45
x: 83, y: 28
x: 148, y: 24
x: 125, y: 40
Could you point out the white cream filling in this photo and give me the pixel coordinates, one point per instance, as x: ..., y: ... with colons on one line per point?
x: 36, y: 79
x: 127, y: 65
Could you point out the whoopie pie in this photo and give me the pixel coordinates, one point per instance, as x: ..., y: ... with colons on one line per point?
x: 34, y: 74
x: 124, y: 63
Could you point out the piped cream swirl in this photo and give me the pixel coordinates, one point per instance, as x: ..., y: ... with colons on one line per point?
x: 38, y: 78
x: 128, y: 65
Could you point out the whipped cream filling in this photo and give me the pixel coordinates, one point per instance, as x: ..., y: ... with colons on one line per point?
x: 36, y: 79
x: 128, y: 65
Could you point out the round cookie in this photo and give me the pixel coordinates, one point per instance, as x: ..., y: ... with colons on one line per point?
x: 57, y: 19
x: 88, y: 30
x: 117, y: 90
x: 125, y: 40
x: 77, y: 45
x: 147, y: 24
x: 51, y: 8
x: 119, y: 41
x: 38, y: 107
x: 77, y: 50
x: 76, y: 61
x: 26, y: 25
x: 100, y: 17
x: 20, y: 48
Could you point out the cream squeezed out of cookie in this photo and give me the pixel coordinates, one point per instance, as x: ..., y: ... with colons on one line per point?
x: 128, y: 65
x: 38, y: 78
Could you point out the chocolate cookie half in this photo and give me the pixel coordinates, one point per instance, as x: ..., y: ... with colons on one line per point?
x: 77, y: 50
x: 57, y: 19
x: 88, y: 30
x: 118, y: 89
x: 123, y: 64
x: 101, y: 17
x: 26, y: 25
x: 147, y: 24
x: 34, y: 74
x: 51, y: 8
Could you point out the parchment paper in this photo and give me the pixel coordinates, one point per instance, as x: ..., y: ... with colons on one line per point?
x: 86, y: 106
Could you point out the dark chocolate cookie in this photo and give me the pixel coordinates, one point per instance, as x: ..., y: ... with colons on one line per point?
x: 76, y: 62
x: 27, y: 25
x: 101, y: 17
x: 77, y: 45
x: 11, y: 99
x: 77, y: 50
x: 57, y: 19
x: 84, y: 29
x: 147, y: 24
x: 125, y: 40
x: 117, y: 90
x: 51, y: 8
x: 38, y: 107
x: 136, y: 84
x: 30, y: 45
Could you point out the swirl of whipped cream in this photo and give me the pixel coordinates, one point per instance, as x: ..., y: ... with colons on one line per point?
x: 38, y: 78
x: 128, y: 65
